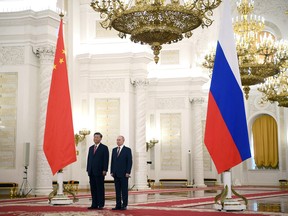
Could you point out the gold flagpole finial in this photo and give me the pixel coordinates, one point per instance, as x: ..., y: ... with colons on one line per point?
x: 61, y: 14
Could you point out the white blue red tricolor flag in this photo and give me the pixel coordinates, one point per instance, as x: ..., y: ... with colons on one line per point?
x: 226, y: 134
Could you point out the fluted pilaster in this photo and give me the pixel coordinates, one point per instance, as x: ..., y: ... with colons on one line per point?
x: 140, y: 157
x: 43, y: 171
x: 197, y: 150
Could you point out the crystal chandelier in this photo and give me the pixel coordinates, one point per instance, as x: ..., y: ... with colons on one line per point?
x: 275, y: 89
x: 259, y: 55
x: 155, y: 22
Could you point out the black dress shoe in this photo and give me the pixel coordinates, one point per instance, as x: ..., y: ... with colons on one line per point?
x: 124, y: 208
x: 100, y: 208
x: 92, y: 207
x: 116, y: 208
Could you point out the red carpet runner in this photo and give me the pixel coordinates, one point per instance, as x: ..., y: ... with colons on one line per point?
x: 75, y: 211
x: 200, y: 201
x: 36, y: 206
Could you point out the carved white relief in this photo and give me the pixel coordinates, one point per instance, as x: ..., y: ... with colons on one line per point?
x: 204, y: 107
x: 171, y: 150
x: 11, y: 55
x: 107, y: 113
x: 8, y: 119
x: 259, y: 104
x: 45, y: 53
x: 170, y: 103
x: 207, y: 161
x: 255, y: 105
x: 170, y: 57
x: 276, y: 10
x: 197, y: 100
x: 140, y: 133
x: 106, y: 85
x: 44, y: 173
x: 140, y: 113
x: 139, y: 83
x: 103, y: 33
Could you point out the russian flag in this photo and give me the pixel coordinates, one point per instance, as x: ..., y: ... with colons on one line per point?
x: 226, y: 134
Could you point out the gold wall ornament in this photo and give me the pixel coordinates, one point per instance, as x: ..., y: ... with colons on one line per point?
x: 81, y: 136
x: 259, y: 54
x: 155, y: 22
x: 151, y: 143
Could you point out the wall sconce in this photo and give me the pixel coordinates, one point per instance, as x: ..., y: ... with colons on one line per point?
x: 81, y: 136
x: 151, y: 143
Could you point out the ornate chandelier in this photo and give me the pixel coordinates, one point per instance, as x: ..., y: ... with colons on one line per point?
x: 275, y: 89
x: 155, y: 22
x: 259, y: 55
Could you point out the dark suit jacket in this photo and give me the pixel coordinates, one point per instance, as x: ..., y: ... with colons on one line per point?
x: 123, y: 163
x: 97, y: 163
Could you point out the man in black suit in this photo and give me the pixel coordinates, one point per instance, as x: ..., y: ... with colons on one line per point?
x: 121, y: 165
x: 97, y: 166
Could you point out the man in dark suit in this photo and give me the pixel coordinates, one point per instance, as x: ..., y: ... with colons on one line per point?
x: 97, y: 166
x: 121, y: 165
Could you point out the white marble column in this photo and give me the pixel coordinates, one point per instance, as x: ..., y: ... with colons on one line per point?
x: 43, y: 171
x: 197, y: 148
x: 140, y: 157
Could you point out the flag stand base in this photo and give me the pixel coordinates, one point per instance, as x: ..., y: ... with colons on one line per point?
x: 60, y: 199
x: 224, y: 201
x: 57, y: 197
x: 230, y: 205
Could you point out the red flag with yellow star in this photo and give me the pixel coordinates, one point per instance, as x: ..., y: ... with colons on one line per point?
x: 59, y: 146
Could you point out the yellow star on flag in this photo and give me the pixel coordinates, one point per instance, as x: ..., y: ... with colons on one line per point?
x: 61, y: 60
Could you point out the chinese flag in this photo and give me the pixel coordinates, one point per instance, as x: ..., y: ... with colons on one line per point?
x: 59, y: 146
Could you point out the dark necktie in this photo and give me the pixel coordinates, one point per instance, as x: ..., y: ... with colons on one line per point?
x: 118, y: 151
x: 95, y: 148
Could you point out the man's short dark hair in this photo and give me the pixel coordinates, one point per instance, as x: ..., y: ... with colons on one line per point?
x: 98, y: 133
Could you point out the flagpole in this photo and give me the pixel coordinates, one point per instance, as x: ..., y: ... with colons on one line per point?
x: 59, y: 149
x: 226, y: 132
x: 224, y: 200
x: 227, y: 181
x: 60, y: 198
x: 60, y: 182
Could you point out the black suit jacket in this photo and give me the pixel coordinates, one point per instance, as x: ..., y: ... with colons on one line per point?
x: 97, y: 163
x: 123, y: 163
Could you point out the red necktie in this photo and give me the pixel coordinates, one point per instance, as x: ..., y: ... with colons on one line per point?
x: 95, y: 148
x: 118, y: 151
